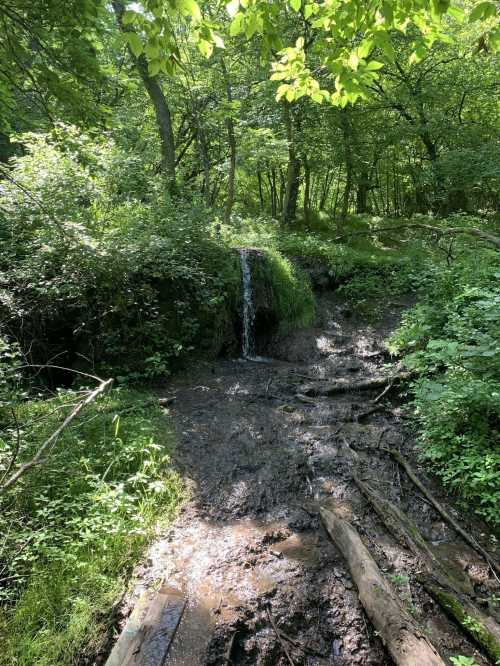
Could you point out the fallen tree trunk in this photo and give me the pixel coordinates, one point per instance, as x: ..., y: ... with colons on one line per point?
x: 480, y: 627
x: 344, y: 387
x: 404, y: 640
x: 439, y: 507
x: 406, y: 532
x: 442, y: 231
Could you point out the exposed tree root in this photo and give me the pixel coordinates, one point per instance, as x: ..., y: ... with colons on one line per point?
x: 404, y: 640
x: 482, y: 628
x: 439, y: 507
x: 344, y: 387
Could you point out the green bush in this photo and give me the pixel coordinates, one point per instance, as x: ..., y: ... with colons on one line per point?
x: 130, y: 286
x: 74, y: 526
x: 451, y: 340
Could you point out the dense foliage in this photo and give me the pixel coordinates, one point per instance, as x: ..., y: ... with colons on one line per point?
x: 451, y: 340
x: 72, y: 530
x: 142, y: 144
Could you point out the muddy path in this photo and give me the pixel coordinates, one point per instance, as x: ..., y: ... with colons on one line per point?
x: 264, y: 584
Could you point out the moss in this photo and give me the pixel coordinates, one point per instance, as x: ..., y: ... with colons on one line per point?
x: 283, y: 289
x: 471, y: 625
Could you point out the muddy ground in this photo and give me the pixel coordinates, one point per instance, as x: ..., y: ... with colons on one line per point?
x: 249, y: 550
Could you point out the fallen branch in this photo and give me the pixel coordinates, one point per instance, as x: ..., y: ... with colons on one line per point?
x: 481, y: 628
x: 404, y: 640
x: 443, y: 231
x: 439, y: 507
x: 278, y: 635
x: 366, y: 385
x: 39, y: 457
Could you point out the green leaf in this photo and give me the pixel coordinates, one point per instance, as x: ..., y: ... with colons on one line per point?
x: 308, y: 11
x: 296, y: 5
x: 236, y: 27
x: 373, y: 65
x: 189, y: 8
x: 364, y: 49
x: 154, y: 67
x: 134, y: 43
x: 483, y: 11
x: 457, y: 13
x: 152, y: 51
x: 206, y: 48
x: 128, y: 17
x: 218, y: 41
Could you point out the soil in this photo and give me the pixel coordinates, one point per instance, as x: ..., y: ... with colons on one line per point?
x: 265, y: 585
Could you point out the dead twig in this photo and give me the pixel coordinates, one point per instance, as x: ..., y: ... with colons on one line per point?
x: 39, y: 456
x: 381, y: 395
x: 280, y: 638
x: 229, y: 650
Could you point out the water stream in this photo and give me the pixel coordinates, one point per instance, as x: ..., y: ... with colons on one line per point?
x: 248, y: 349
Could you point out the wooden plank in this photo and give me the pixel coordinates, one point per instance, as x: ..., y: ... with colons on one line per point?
x: 150, y: 630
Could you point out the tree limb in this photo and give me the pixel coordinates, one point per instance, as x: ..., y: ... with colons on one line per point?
x: 38, y: 458
x: 449, y: 231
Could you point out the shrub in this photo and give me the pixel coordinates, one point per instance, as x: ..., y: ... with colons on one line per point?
x: 73, y: 527
x: 451, y: 340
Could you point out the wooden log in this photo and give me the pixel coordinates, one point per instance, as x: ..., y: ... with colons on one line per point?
x: 405, y: 642
x: 480, y: 627
x: 440, y: 508
x: 346, y: 386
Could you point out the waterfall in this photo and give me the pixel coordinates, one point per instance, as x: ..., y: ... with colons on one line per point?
x: 248, y: 309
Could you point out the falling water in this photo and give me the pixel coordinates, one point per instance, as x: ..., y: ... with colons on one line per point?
x: 248, y: 309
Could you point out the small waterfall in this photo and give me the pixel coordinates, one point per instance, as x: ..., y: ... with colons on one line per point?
x: 248, y: 308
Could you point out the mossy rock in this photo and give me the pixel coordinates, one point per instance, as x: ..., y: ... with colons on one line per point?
x: 281, y: 295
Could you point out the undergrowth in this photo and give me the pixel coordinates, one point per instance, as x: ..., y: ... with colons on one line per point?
x: 451, y: 340
x: 76, y: 525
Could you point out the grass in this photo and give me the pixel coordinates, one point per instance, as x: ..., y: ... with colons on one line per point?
x: 77, y: 525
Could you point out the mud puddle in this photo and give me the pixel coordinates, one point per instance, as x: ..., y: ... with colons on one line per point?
x: 264, y: 584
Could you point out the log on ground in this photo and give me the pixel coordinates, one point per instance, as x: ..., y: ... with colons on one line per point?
x: 404, y: 640
x: 479, y: 626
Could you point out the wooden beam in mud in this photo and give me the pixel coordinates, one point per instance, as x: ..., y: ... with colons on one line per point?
x: 150, y: 630
x: 406, y: 643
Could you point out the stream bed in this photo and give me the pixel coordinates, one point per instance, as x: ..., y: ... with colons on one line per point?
x: 263, y: 582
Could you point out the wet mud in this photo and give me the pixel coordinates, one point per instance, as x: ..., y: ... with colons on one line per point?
x: 264, y: 584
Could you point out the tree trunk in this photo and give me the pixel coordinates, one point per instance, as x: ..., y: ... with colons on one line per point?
x: 349, y: 165
x: 326, y: 189
x: 363, y: 187
x: 162, y: 111
x: 231, y: 138
x: 307, y: 190
x: 293, y: 171
x: 205, y: 160
x: 261, y: 194
x: 405, y: 642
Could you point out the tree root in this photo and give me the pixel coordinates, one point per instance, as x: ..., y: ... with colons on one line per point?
x: 404, y: 640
